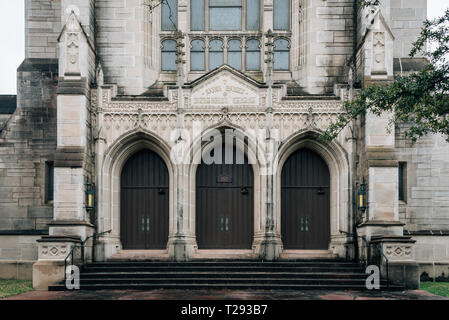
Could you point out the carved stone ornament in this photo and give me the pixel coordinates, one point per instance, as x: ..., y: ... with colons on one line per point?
x: 379, y: 51
x: 73, y: 34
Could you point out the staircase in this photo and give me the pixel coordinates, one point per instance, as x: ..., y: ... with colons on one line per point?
x: 224, y: 274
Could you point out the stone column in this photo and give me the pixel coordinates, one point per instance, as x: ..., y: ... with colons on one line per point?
x: 71, y: 222
x: 381, y: 226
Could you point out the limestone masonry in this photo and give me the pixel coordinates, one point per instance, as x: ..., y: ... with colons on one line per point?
x: 104, y: 80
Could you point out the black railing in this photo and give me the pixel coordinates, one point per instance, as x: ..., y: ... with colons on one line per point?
x: 81, y: 246
x: 369, y: 259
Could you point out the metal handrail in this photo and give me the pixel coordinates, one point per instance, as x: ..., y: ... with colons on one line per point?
x: 82, y: 251
x: 379, y: 249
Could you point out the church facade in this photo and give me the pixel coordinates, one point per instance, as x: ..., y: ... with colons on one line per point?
x: 185, y: 127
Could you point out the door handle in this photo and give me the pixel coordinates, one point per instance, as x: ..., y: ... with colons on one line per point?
x: 307, y: 224
x: 302, y: 224
x: 143, y: 224
x: 148, y: 224
x: 227, y: 224
x: 222, y: 224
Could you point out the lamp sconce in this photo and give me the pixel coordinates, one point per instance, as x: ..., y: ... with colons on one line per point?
x: 90, y: 196
x: 361, y: 193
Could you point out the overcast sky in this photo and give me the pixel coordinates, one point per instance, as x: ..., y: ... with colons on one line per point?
x: 12, y: 35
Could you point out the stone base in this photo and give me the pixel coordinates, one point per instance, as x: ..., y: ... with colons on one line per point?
x: 47, y: 273
x: 17, y: 270
x: 403, y: 273
x: 53, y: 250
x: 268, y: 248
x: 342, y: 247
x: 402, y: 267
x: 181, y: 248
x: 106, y: 247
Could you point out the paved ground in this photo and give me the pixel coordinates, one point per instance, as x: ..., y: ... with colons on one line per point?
x: 226, y: 295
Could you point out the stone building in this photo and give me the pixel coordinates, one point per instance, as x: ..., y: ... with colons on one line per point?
x: 118, y: 99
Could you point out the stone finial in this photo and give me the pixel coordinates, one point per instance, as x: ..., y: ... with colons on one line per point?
x: 100, y: 75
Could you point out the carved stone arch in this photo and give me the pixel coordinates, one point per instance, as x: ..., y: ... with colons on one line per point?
x: 166, y: 38
x: 212, y: 38
x: 197, y: 37
x: 108, y: 183
x: 252, y: 38
x: 337, y: 161
x: 259, y: 181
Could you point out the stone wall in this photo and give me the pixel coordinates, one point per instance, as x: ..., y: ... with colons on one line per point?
x: 427, y: 187
x: 42, y: 28
x: 328, y: 44
x: 406, y: 19
x: 124, y: 42
x: 26, y: 145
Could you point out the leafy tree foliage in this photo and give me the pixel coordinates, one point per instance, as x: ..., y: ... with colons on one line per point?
x: 420, y: 99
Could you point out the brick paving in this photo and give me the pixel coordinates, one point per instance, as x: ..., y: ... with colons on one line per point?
x: 226, y: 295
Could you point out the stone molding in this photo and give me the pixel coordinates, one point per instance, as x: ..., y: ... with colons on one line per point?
x: 55, y: 247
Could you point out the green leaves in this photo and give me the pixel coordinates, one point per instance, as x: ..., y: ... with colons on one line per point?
x: 419, y: 100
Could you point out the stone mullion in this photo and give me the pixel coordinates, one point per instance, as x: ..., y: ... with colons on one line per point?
x: 206, y: 15
x: 206, y: 54
x: 244, y: 38
x: 225, y: 50
x: 244, y: 28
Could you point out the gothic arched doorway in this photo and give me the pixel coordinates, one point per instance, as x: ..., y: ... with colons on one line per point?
x: 225, y: 204
x: 305, y: 201
x: 144, y: 202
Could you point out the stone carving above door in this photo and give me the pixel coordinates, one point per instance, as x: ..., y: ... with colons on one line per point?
x: 225, y: 90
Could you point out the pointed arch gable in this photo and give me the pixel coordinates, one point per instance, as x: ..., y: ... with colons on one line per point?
x: 196, y: 148
x: 108, y: 182
x: 337, y: 161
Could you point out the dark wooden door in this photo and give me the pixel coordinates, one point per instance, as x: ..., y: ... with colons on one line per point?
x: 144, y: 198
x: 224, y: 205
x: 305, y: 201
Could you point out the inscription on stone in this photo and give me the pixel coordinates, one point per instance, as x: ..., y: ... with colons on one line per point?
x: 225, y: 92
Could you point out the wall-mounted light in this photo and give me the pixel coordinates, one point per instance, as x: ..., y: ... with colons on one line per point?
x: 361, y: 193
x: 90, y: 196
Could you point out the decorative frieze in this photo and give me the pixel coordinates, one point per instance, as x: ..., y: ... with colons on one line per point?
x: 398, y: 251
x: 225, y: 99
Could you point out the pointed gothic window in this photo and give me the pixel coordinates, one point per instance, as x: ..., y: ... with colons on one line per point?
x: 215, y: 54
x: 235, y: 54
x: 197, y: 55
x: 253, y: 55
x: 281, y: 54
x: 169, y: 55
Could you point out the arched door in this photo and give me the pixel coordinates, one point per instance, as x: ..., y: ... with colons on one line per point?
x: 144, y: 198
x: 225, y: 204
x: 305, y: 201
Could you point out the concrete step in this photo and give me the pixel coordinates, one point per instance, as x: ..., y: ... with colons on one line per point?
x: 230, y: 286
x: 295, y: 274
x: 225, y: 269
x: 211, y: 263
x: 243, y: 280
x: 257, y: 275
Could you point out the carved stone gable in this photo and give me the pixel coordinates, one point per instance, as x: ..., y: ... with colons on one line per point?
x: 225, y: 90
